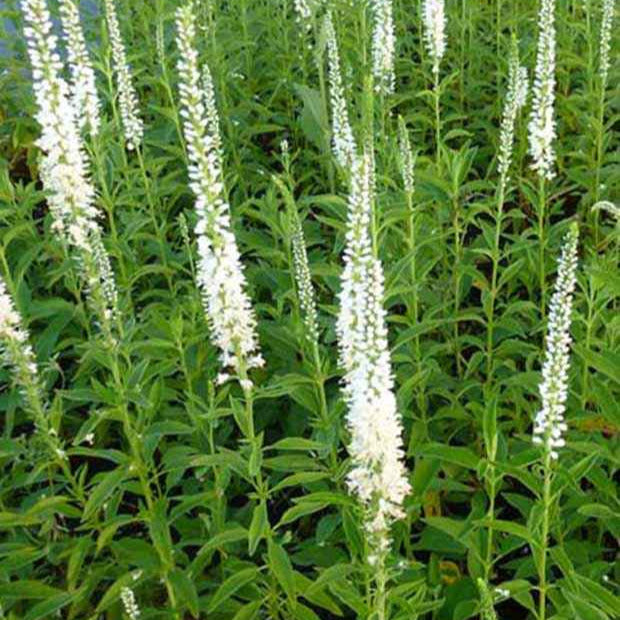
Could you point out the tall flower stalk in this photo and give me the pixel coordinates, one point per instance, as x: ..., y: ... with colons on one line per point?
x: 133, y: 126
x: 516, y: 97
x: 383, y: 47
x: 343, y: 143
x: 542, y: 126
x: 378, y: 477
x: 549, y: 424
x: 63, y: 168
x: 406, y: 161
x: 434, y: 18
x: 608, y: 9
x: 83, y: 83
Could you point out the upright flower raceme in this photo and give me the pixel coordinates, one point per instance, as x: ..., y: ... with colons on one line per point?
x: 606, y: 23
x: 406, y: 158
x: 63, y: 169
x: 383, y: 46
x: 83, y: 84
x: 379, y: 476
x: 343, y: 142
x: 516, y: 97
x: 220, y: 272
x: 303, y: 279
x: 542, y: 127
x: 133, y: 126
x: 130, y: 605
x: 549, y: 425
x: 434, y: 16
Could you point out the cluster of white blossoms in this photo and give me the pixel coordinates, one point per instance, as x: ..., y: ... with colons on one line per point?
x: 378, y: 476
x: 343, y: 142
x: 15, y: 350
x: 606, y: 23
x: 71, y: 195
x: 406, y: 158
x: 220, y: 273
x: 383, y: 46
x: 542, y: 126
x: 549, y: 425
x: 130, y: 605
x: 434, y: 16
x: 303, y: 14
x: 133, y: 127
x: 303, y: 279
x: 83, y: 83
x: 516, y: 98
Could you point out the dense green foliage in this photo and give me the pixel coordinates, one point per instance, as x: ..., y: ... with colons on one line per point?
x: 201, y: 518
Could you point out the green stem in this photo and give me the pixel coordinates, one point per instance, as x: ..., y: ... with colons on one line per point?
x: 543, y: 586
x: 494, y: 276
x: 542, y: 203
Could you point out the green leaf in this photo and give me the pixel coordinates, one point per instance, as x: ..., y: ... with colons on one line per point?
x: 103, y: 491
x: 231, y: 585
x: 259, y: 527
x: 451, y: 454
x: 185, y: 591
x: 281, y: 567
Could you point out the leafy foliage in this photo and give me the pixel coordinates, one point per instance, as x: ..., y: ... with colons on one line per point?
x: 207, y: 509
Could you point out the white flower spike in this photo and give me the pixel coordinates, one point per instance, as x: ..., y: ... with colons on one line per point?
x: 133, y: 127
x: 383, y: 46
x: 379, y: 476
x: 343, y: 142
x: 542, y: 127
x: 83, y: 83
x: 63, y: 170
x: 220, y: 273
x: 549, y: 425
x: 434, y: 16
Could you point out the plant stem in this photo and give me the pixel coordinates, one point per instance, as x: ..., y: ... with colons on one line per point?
x: 494, y: 276
x: 437, y: 118
x: 542, y: 603
x: 542, y: 200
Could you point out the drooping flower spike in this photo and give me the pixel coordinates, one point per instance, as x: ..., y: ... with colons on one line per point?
x: 220, y: 272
